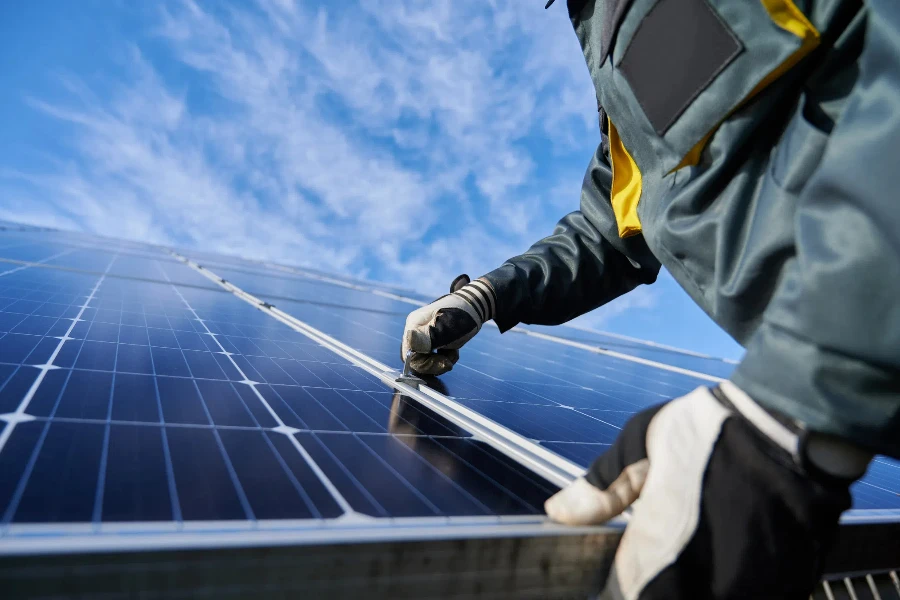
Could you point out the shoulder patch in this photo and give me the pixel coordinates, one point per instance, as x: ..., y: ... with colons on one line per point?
x: 677, y: 50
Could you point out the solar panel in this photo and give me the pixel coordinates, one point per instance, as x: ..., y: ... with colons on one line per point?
x: 160, y: 405
x: 568, y: 399
x: 146, y: 401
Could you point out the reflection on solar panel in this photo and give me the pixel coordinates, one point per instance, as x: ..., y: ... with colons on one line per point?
x: 149, y: 399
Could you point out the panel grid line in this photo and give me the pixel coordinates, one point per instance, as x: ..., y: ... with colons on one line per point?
x: 101, y: 477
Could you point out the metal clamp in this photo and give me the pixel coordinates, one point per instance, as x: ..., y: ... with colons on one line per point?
x: 407, y: 376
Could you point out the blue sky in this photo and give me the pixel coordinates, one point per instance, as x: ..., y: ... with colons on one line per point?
x: 398, y: 140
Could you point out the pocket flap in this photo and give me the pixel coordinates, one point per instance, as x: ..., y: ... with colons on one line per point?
x: 690, y: 63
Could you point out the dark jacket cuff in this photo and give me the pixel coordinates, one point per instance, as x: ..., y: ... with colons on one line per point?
x: 506, y: 288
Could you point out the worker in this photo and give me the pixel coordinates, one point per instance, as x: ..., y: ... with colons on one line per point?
x: 752, y: 148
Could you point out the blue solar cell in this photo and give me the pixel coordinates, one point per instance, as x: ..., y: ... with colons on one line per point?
x: 310, y: 487
x: 256, y: 405
x: 86, y: 395
x: 357, y: 378
x: 345, y: 411
x: 11, y: 320
x: 443, y: 494
x: 99, y: 356
x: 224, y: 405
x: 16, y: 386
x: 6, y: 371
x: 450, y: 475
x: 14, y: 460
x: 189, y: 340
x: 24, y: 349
x: 299, y: 373
x: 34, y: 325
x: 360, y: 498
x: 180, y: 402
x: 205, y: 365
x: 62, y: 483
x: 169, y: 361
x: 264, y: 369
x: 102, y: 332
x: 279, y: 405
x: 310, y: 413
x: 327, y: 376
x: 523, y: 492
x: 207, y: 487
x: 268, y: 484
x: 391, y: 491
x: 47, y: 395
x: 136, y: 486
x: 162, y: 338
x: 135, y: 399
x: 132, y: 335
x: 134, y: 359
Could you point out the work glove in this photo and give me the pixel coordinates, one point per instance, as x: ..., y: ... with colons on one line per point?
x: 436, y: 332
x: 728, y: 500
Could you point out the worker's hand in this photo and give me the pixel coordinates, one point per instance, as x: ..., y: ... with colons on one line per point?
x: 436, y: 332
x: 727, y: 501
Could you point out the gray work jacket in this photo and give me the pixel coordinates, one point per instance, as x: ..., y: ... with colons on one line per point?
x: 753, y: 148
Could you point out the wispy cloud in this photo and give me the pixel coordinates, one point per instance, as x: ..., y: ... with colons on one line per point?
x: 403, y: 140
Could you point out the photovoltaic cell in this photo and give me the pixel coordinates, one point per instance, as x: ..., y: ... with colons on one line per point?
x: 136, y: 479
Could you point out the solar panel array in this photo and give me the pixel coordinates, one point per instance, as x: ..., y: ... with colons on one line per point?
x: 138, y: 392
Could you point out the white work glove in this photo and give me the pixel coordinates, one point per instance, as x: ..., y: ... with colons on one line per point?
x: 727, y: 500
x: 436, y: 332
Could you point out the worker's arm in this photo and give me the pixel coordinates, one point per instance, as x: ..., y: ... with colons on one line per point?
x: 828, y: 351
x: 738, y: 501
x: 582, y: 265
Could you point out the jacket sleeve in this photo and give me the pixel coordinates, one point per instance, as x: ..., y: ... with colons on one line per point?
x: 828, y: 351
x: 580, y: 266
